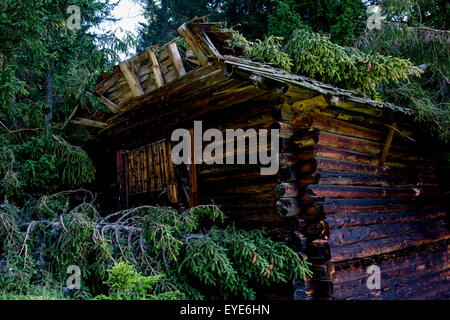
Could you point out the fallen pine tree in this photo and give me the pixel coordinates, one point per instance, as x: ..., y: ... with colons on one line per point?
x: 169, y: 251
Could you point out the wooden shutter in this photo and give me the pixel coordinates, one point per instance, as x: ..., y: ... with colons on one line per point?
x: 150, y: 169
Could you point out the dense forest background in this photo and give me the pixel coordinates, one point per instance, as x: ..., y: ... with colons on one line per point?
x: 47, y: 71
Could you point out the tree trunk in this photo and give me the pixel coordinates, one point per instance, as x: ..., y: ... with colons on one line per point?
x: 49, y: 83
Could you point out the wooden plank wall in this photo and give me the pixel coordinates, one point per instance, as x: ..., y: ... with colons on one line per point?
x: 355, y: 210
x: 149, y: 169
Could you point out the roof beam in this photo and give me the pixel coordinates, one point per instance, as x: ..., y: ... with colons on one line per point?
x: 156, y: 69
x: 175, y: 57
x: 308, y: 104
x: 131, y: 78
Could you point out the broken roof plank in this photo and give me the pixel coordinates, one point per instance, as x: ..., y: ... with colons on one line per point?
x: 207, y: 26
x: 187, y: 34
x: 108, y: 104
x: 89, y: 123
x: 107, y: 81
x: 208, y: 43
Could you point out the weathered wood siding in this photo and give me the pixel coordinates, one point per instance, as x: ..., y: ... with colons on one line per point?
x: 150, y: 169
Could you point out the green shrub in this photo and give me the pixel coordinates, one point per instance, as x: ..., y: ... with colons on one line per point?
x: 125, y: 283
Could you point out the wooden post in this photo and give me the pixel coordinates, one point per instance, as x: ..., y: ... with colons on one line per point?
x: 120, y: 175
x: 193, y: 175
x: 126, y: 178
x: 172, y: 188
x: 387, y: 145
x: 175, y: 57
x: 131, y: 78
x: 120, y: 179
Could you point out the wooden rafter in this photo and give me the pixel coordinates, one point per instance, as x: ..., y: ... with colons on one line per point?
x: 89, y: 123
x: 108, y: 104
x: 131, y: 78
x: 175, y: 57
x: 187, y: 34
x: 159, y: 80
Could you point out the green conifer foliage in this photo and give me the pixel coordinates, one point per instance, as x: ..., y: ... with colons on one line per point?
x: 141, y: 253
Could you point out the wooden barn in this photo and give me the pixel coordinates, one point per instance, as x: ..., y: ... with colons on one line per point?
x: 357, y: 183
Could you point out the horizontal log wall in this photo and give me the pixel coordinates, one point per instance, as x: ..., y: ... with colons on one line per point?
x: 357, y: 206
x: 419, y: 273
x: 245, y: 195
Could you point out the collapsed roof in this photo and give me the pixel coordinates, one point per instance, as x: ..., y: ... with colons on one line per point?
x: 158, y: 75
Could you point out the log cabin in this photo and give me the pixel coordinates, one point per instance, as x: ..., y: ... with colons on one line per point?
x: 357, y: 183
